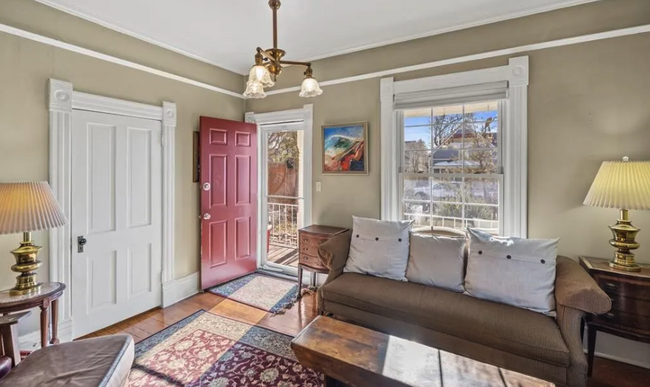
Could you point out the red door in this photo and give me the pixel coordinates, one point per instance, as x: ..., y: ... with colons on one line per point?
x: 228, y: 200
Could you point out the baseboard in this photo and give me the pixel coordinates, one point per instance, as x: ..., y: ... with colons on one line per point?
x: 32, y: 341
x: 180, y: 289
x: 621, y: 359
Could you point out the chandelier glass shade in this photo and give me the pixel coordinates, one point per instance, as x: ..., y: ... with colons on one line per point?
x: 269, y: 64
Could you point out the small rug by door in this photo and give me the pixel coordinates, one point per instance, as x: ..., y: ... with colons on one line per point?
x: 261, y: 291
x: 209, y: 350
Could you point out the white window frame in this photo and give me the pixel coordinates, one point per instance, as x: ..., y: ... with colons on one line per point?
x: 304, y: 118
x: 514, y: 138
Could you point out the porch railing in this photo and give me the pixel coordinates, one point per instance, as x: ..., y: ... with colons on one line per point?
x: 491, y: 226
x: 283, y: 221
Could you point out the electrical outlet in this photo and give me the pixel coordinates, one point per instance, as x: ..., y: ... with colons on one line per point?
x: 318, y: 186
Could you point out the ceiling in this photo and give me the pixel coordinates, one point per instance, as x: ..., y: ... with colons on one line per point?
x: 226, y: 32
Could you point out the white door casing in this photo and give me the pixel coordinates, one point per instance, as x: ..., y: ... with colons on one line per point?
x: 62, y: 101
x: 116, y: 196
x: 303, y: 121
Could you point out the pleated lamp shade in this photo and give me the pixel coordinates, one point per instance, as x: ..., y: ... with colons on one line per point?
x: 26, y: 207
x: 621, y: 185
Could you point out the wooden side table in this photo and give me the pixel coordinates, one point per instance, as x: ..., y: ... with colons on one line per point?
x: 630, y: 295
x: 47, y: 299
x: 309, y: 238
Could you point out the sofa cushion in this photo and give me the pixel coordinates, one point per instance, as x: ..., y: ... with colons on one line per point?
x: 437, y: 261
x: 503, y: 327
x: 515, y: 271
x: 379, y: 248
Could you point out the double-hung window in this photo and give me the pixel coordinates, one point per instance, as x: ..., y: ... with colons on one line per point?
x: 454, y: 149
x: 451, y: 173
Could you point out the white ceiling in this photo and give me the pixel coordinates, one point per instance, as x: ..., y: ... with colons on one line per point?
x: 226, y: 32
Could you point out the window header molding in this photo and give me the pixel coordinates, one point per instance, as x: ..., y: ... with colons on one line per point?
x: 515, y: 135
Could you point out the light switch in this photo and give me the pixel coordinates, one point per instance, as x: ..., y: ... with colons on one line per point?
x: 318, y: 186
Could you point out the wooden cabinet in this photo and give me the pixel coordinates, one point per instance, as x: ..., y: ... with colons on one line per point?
x: 309, y: 238
x: 630, y: 295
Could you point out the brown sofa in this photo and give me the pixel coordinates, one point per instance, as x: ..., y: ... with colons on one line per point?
x: 498, y: 334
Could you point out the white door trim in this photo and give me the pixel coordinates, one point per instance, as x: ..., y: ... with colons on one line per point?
x: 62, y: 100
x: 306, y: 115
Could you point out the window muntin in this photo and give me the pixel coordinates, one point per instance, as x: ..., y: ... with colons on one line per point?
x: 451, y: 166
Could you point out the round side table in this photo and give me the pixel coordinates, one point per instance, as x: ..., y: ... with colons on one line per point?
x: 47, y: 299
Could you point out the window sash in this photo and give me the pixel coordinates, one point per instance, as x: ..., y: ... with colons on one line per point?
x: 499, y: 176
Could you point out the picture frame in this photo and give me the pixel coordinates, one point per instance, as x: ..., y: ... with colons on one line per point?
x: 345, y: 149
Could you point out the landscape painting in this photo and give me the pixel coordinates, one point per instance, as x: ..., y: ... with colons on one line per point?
x: 344, y: 148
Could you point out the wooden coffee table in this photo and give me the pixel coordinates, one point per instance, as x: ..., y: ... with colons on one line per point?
x: 362, y: 357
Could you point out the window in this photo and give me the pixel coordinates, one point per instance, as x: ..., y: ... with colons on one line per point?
x: 454, y: 149
x: 451, y: 166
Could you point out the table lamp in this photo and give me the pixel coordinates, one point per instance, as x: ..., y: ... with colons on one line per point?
x: 27, y: 207
x: 624, y: 185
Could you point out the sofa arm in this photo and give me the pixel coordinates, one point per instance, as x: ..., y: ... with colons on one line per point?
x: 334, y: 254
x: 574, y: 288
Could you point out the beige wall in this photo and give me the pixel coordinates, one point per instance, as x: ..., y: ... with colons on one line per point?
x: 587, y: 103
x: 25, y: 67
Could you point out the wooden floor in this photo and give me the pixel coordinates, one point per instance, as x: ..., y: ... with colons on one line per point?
x: 283, y: 255
x: 607, y: 373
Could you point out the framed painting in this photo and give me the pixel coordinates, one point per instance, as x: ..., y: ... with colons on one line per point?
x: 345, y: 149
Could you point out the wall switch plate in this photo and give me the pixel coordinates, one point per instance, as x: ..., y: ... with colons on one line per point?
x: 318, y: 187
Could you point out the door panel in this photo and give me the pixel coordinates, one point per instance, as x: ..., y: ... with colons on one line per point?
x: 229, y: 205
x: 116, y: 197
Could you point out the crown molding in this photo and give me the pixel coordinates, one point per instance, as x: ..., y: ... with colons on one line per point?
x: 485, y: 55
x: 458, y: 27
x: 112, y: 59
x: 439, y: 31
x: 125, y: 31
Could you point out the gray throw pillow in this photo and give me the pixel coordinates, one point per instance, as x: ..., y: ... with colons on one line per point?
x: 379, y: 248
x: 437, y: 261
x: 515, y: 271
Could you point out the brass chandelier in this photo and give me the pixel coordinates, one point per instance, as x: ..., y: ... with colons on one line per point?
x: 269, y: 64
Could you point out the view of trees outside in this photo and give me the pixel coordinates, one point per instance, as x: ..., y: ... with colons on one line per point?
x: 446, y: 149
x: 283, y: 165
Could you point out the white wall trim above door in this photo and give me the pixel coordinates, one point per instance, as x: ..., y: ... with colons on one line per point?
x: 62, y: 100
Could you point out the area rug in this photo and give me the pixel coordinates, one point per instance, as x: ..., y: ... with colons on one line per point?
x: 209, y: 350
x: 261, y: 291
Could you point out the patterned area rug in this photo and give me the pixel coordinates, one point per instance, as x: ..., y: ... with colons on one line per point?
x: 208, y: 350
x: 261, y: 291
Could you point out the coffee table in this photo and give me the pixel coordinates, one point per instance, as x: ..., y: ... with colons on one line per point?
x: 361, y: 357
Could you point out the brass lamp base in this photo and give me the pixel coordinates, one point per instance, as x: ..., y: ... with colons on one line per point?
x: 26, y: 264
x: 624, y: 234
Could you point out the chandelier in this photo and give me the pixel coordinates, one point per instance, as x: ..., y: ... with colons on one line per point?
x: 269, y: 64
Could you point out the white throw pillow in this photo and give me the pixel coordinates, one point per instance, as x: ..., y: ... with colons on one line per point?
x: 514, y: 271
x: 437, y: 261
x: 379, y: 248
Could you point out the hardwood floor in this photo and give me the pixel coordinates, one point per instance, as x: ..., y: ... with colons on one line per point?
x: 607, y: 373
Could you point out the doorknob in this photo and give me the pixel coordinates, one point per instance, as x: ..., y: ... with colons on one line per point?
x: 206, y: 186
x: 81, y: 241
x: 207, y: 216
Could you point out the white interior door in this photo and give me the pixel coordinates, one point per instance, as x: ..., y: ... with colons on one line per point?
x: 116, y: 208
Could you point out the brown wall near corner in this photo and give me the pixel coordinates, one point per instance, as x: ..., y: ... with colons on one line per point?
x: 587, y: 103
x: 26, y: 66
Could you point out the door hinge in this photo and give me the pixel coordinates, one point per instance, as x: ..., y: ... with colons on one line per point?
x: 162, y: 138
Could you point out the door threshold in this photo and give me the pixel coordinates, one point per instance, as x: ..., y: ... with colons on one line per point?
x: 276, y: 273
